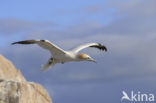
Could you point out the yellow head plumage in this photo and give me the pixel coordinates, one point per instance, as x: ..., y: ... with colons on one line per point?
x: 82, y: 56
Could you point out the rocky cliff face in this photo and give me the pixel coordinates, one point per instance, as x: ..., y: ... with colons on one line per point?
x: 15, y: 89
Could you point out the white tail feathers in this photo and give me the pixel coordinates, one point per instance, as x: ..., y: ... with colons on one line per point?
x: 48, y: 65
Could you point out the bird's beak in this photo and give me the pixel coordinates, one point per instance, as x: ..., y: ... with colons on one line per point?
x: 92, y: 60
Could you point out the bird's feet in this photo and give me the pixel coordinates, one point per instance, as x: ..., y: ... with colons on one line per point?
x: 51, y: 60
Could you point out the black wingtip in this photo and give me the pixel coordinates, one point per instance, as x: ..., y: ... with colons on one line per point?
x: 105, y: 49
x: 102, y: 47
x: 43, y: 40
x: 24, y: 42
x: 13, y: 43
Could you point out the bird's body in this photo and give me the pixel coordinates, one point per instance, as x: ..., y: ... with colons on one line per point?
x: 61, y: 56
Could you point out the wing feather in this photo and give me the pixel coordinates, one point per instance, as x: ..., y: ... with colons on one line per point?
x: 44, y: 44
x: 94, y: 45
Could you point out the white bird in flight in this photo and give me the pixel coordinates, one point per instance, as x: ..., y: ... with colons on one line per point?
x: 59, y: 55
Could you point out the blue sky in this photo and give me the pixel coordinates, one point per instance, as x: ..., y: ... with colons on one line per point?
x: 126, y: 27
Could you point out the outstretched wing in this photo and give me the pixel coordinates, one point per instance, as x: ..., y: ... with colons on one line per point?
x: 94, y: 45
x: 55, y: 50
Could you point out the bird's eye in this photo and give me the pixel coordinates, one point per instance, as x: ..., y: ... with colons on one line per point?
x: 88, y: 58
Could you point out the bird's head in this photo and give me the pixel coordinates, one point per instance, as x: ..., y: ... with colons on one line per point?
x: 85, y: 57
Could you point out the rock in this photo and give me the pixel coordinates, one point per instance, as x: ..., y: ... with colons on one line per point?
x: 15, y: 89
x: 8, y: 71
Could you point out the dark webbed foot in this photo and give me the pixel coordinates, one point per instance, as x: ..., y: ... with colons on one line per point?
x: 51, y: 60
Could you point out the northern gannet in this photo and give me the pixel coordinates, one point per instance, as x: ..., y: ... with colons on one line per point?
x: 59, y: 55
